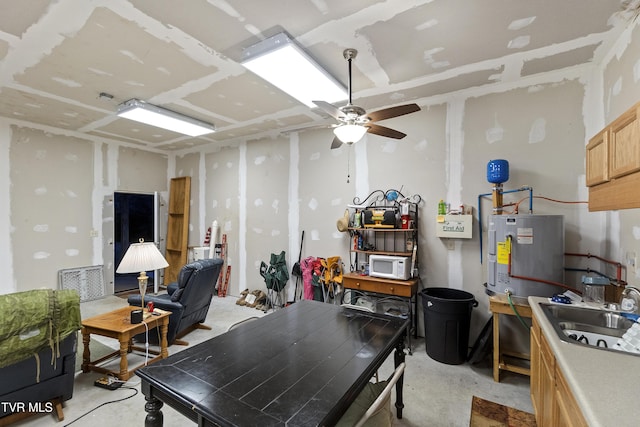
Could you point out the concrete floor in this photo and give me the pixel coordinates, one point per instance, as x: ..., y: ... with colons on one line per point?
x: 435, y: 394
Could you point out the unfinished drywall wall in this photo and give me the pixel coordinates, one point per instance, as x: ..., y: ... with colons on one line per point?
x: 125, y: 169
x: 327, y: 182
x: 51, y: 188
x: 140, y: 170
x: 58, y: 202
x: 267, y: 206
x: 621, y: 76
x: 622, y: 90
x: 539, y: 130
x: 443, y: 156
x: 417, y: 165
x: 8, y: 283
x: 223, y: 199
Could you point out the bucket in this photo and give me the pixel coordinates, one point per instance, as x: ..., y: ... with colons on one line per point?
x: 447, y: 317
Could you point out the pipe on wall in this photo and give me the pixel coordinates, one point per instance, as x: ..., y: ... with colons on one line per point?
x: 617, y: 264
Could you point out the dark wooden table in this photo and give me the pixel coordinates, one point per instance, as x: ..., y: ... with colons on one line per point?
x: 299, y: 366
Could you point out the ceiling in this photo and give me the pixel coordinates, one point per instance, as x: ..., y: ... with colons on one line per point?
x: 57, y: 57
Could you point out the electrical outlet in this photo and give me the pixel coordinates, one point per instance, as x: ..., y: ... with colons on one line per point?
x: 93, y: 233
x: 632, y: 261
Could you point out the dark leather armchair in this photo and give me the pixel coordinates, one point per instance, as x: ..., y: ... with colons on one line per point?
x: 188, y: 299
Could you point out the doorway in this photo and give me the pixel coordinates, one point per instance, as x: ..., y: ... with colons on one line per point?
x: 135, y: 218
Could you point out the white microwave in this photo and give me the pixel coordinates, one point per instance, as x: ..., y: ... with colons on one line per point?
x: 390, y: 267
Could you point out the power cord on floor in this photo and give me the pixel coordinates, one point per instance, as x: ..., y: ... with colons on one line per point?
x: 106, y: 403
x: 146, y: 344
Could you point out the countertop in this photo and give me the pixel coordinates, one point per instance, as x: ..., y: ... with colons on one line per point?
x: 605, y: 384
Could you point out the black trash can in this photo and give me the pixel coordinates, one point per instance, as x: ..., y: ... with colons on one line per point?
x: 447, y: 316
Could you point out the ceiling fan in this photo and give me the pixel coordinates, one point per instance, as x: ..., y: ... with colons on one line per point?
x: 355, y: 121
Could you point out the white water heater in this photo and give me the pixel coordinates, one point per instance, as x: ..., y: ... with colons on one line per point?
x: 524, y: 252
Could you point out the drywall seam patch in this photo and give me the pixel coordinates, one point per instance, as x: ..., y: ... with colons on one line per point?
x: 97, y: 198
x: 538, y: 131
x: 361, y: 166
x: 202, y: 189
x: 7, y: 285
x: 242, y: 215
x: 454, y: 261
x: 294, y: 204
x: 455, y: 145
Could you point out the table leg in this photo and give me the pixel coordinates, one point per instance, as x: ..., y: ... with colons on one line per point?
x: 398, y: 358
x: 496, y: 347
x: 415, y: 317
x: 86, y: 354
x: 164, y: 328
x: 124, y: 364
x: 154, y: 416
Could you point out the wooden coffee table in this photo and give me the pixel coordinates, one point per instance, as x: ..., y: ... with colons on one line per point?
x: 117, y: 324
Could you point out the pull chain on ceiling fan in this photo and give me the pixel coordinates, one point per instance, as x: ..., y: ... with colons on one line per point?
x: 354, y: 120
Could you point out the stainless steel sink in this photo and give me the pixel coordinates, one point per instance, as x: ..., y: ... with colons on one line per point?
x: 586, y: 326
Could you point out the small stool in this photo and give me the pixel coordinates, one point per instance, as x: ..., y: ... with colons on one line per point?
x: 500, y: 305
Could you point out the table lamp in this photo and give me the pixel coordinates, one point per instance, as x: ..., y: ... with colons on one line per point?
x: 142, y: 257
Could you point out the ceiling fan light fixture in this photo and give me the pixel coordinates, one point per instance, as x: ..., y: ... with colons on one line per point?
x: 284, y: 64
x: 150, y: 114
x: 350, y: 133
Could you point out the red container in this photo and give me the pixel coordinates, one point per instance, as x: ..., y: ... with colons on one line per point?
x: 406, y: 220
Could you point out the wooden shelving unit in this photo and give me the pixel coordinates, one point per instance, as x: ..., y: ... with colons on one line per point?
x: 177, y: 227
x: 385, y: 240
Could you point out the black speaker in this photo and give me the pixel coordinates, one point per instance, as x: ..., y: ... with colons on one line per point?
x: 136, y: 316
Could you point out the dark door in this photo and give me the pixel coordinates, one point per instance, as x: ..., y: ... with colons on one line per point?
x: 134, y: 219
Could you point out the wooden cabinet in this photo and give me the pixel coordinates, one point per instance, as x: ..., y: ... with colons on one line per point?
x: 567, y: 412
x: 598, y: 159
x: 624, y: 148
x: 613, y: 164
x: 177, y: 227
x: 399, y: 288
x: 552, y: 399
x: 535, y: 371
x: 547, y: 384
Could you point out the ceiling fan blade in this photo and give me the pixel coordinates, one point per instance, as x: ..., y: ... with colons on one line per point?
x: 388, y: 113
x: 384, y: 131
x: 336, y: 143
x: 331, y: 109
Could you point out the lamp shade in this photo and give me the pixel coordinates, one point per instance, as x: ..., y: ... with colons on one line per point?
x: 143, y: 256
x: 350, y: 133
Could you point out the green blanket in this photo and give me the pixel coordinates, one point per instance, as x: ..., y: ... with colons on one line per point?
x: 33, y: 320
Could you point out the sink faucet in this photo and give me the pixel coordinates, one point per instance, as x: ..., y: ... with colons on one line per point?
x: 630, y: 299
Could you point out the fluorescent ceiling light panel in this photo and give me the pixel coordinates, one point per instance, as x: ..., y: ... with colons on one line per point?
x: 153, y: 115
x: 285, y: 65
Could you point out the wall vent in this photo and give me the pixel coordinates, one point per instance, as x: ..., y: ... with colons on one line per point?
x: 87, y: 281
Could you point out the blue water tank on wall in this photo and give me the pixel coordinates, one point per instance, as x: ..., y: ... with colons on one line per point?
x: 498, y: 171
